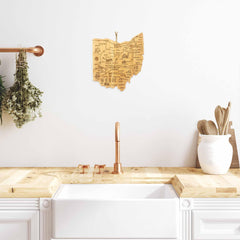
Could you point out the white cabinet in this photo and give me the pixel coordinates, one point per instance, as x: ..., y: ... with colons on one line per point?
x: 210, y: 219
x: 215, y: 224
x: 19, y: 219
x: 16, y: 225
x: 200, y: 219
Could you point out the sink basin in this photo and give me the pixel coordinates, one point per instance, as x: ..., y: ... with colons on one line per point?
x: 115, y: 211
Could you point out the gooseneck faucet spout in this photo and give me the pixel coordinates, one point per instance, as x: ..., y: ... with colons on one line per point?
x: 117, y: 165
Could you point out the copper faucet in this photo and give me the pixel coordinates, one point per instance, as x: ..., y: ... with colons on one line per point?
x: 117, y: 165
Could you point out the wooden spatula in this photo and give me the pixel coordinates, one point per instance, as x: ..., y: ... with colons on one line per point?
x: 226, y: 119
x: 219, y: 116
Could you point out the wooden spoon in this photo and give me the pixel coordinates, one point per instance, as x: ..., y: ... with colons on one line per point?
x: 219, y: 116
x: 201, y: 126
x: 207, y: 127
x: 210, y: 128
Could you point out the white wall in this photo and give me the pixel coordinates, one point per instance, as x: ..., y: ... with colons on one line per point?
x: 191, y: 64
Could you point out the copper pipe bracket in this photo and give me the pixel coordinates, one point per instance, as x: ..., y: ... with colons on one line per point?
x: 38, y: 51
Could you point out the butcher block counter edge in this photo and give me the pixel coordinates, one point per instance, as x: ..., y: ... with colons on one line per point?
x: 187, y: 182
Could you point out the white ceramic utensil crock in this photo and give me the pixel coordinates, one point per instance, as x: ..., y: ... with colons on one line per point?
x: 215, y: 153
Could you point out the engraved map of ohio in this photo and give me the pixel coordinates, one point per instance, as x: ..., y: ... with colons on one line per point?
x: 114, y: 64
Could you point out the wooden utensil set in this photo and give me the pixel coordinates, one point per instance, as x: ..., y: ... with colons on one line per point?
x: 222, y: 118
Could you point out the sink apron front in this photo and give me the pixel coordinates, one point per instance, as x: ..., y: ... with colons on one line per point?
x: 115, y: 218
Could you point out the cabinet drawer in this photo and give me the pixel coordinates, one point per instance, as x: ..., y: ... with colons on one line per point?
x: 215, y: 224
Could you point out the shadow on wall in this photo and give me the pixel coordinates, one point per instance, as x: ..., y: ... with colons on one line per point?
x: 174, y: 153
x: 193, y: 149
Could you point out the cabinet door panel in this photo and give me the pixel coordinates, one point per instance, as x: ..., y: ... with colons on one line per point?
x: 216, y: 224
x: 19, y: 225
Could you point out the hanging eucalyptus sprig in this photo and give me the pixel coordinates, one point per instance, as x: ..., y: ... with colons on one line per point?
x: 2, y: 96
x: 23, y: 101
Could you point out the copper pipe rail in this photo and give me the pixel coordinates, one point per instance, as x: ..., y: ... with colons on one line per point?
x: 37, y: 50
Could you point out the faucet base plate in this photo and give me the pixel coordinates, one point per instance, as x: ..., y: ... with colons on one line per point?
x: 117, y: 168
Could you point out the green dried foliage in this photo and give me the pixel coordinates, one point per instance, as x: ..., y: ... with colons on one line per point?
x: 2, y: 95
x: 22, y: 100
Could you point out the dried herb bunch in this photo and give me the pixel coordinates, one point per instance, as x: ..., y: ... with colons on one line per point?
x: 22, y: 101
x: 2, y: 95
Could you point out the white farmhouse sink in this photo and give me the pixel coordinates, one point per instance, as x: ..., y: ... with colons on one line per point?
x: 115, y: 211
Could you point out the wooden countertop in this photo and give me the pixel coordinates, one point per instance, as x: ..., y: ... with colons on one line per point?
x: 188, y: 182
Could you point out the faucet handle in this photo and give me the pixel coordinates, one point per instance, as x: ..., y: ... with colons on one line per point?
x: 99, y: 167
x: 84, y: 168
